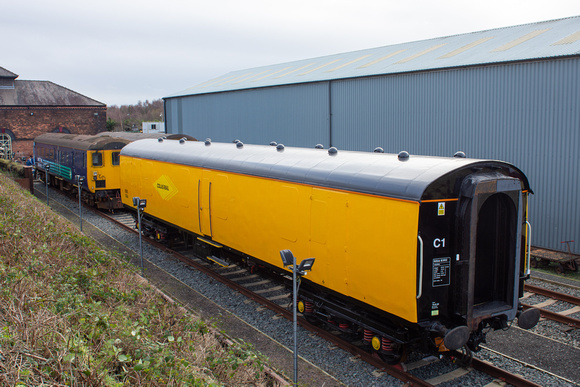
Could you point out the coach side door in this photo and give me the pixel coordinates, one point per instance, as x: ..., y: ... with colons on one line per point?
x: 204, y: 204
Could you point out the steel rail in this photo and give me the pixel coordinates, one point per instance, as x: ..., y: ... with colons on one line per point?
x: 394, y: 371
x: 501, y: 374
x: 369, y: 358
x: 555, y: 316
x: 552, y: 294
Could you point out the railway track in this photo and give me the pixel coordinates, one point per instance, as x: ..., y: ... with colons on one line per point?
x: 271, y: 296
x: 456, y: 376
x: 553, y: 297
x: 269, y: 292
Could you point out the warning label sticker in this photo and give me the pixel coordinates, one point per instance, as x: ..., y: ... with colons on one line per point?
x: 441, y: 209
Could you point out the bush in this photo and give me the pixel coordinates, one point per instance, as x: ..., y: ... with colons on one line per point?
x: 15, y: 169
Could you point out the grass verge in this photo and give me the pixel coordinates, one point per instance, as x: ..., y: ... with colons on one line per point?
x: 72, y: 313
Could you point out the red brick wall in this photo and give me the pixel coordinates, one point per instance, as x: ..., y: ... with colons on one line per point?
x: 28, y: 122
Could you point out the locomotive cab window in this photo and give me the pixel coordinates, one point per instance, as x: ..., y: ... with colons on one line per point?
x: 97, y: 159
x: 115, y: 158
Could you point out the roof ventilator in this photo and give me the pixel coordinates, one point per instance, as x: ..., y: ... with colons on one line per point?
x: 460, y: 154
x: 403, y: 156
x: 379, y: 150
x: 319, y: 146
x: 280, y: 147
x: 182, y: 140
x: 207, y: 141
x: 239, y: 145
x: 332, y: 151
x: 273, y: 143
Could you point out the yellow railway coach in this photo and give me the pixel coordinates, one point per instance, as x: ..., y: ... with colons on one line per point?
x: 411, y: 252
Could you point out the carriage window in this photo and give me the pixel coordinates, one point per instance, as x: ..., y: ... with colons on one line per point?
x: 97, y: 159
x: 116, y: 158
x: 80, y: 160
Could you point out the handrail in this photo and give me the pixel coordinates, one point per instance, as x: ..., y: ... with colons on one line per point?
x: 528, y: 271
x: 420, y: 293
x: 209, y: 211
x: 199, y: 204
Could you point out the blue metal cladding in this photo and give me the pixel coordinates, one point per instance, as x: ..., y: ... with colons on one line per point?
x: 525, y: 113
x: 292, y: 115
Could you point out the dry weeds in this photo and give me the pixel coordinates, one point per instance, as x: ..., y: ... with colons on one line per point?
x: 71, y: 314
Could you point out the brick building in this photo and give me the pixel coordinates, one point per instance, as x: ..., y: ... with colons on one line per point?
x: 30, y: 108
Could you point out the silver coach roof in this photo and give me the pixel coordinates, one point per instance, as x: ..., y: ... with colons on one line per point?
x: 547, y: 39
x: 374, y: 173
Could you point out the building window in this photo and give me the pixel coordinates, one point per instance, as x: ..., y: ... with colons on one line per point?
x: 7, y: 132
x: 153, y: 126
x: 61, y: 129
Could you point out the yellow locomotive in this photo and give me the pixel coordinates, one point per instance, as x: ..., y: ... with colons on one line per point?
x: 411, y: 252
x: 60, y: 157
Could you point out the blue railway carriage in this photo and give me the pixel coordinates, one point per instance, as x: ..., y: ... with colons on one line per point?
x: 63, y: 156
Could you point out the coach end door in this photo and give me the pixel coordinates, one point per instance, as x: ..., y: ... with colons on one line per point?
x: 489, y: 225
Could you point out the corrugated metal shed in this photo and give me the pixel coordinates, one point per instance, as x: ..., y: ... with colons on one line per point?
x: 542, y: 40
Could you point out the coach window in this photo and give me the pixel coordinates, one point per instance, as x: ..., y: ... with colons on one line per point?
x: 97, y: 159
x: 116, y: 158
x: 80, y: 159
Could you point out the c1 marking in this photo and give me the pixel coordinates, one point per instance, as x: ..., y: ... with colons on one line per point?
x: 437, y: 243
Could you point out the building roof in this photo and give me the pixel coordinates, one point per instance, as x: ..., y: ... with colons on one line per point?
x: 43, y: 93
x: 548, y: 39
x: 7, y: 74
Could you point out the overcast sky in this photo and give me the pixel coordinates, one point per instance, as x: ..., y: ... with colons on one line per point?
x: 123, y: 51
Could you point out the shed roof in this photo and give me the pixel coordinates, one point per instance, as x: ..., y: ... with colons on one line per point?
x: 548, y: 39
x: 43, y: 93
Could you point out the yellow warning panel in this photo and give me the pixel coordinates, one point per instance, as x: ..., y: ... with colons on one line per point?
x: 165, y: 187
x: 441, y: 209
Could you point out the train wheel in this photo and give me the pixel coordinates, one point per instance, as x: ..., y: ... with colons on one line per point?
x: 534, y: 262
x: 572, y: 265
x: 388, y: 352
x: 464, y: 357
x: 560, y: 269
x: 306, y: 308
